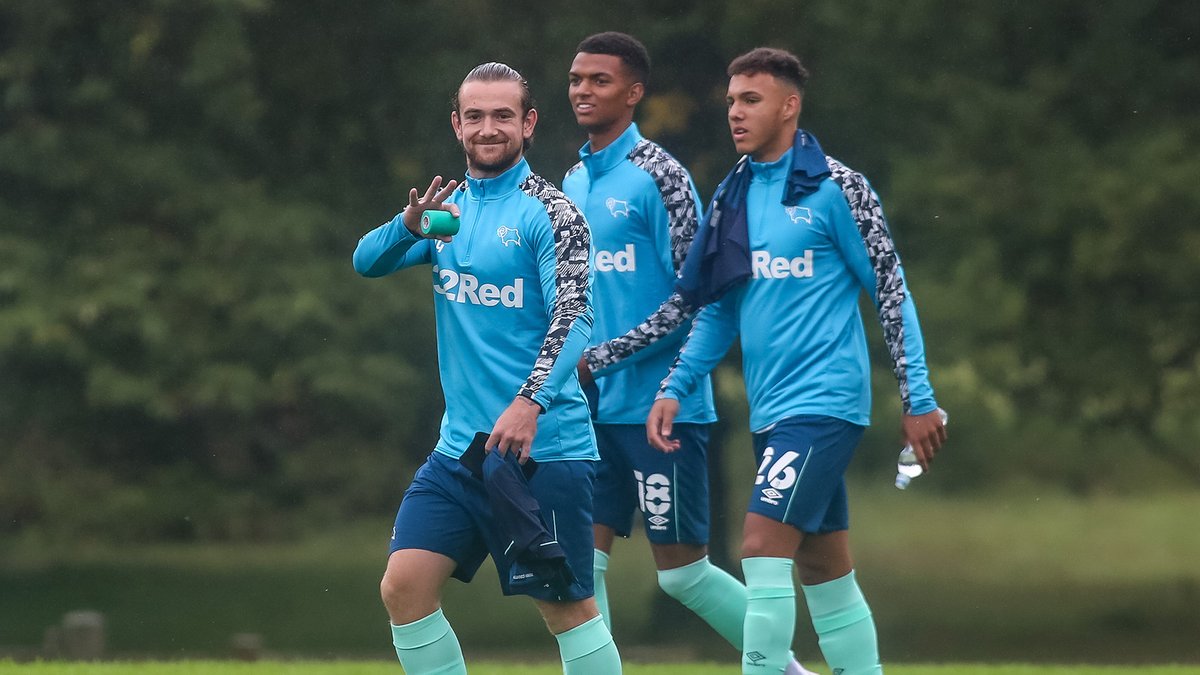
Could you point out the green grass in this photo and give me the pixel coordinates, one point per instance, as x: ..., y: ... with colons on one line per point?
x: 1101, y: 580
x: 1015, y: 577
x: 487, y: 668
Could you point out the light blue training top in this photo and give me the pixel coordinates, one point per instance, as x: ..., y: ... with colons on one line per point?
x: 643, y: 210
x: 804, y: 347
x: 512, y: 303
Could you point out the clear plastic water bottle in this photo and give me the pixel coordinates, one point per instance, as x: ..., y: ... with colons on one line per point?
x: 907, y: 466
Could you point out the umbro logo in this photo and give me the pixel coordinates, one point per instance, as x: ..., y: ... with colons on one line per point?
x: 755, y: 657
x: 772, y: 493
x: 658, y: 522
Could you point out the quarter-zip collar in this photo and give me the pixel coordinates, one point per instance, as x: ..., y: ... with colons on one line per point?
x: 767, y: 172
x: 487, y: 189
x: 602, y: 161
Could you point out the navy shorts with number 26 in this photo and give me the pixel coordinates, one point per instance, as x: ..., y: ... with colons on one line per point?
x: 802, y: 463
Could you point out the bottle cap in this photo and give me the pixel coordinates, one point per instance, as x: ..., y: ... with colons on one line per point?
x: 436, y: 222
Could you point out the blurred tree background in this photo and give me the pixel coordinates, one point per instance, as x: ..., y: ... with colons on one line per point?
x: 187, y: 355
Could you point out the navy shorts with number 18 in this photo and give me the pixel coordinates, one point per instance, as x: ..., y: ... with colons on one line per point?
x: 669, y: 489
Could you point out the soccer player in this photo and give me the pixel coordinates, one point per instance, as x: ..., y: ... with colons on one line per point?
x: 513, y: 317
x: 643, y: 211
x: 792, y: 239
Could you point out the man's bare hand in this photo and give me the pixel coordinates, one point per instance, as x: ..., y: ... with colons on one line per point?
x: 433, y: 199
x: 515, y: 429
x: 925, y: 433
x: 585, y: 374
x: 659, y: 425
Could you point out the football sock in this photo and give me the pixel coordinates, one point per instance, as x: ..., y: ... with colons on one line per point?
x: 712, y: 593
x: 599, y: 567
x: 429, y: 646
x: 588, y: 649
x: 770, y: 615
x: 845, y: 629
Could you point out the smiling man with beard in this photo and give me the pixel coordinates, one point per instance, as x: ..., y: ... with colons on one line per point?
x: 511, y: 299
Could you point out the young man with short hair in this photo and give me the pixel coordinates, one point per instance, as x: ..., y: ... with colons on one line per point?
x: 792, y: 240
x: 513, y: 316
x: 643, y: 211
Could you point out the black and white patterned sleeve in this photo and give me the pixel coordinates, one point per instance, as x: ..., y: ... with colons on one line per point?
x: 572, y: 248
x: 890, y: 291
x: 680, y: 201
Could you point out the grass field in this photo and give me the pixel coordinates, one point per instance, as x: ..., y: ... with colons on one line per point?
x: 1020, y: 577
x: 485, y: 668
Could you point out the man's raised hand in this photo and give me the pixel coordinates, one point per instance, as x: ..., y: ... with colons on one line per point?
x: 433, y: 199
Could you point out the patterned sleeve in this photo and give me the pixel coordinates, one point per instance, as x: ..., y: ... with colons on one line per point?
x: 890, y: 292
x: 572, y: 248
x: 711, y: 336
x: 679, y: 200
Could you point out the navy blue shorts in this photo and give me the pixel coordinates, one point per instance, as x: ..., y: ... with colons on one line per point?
x: 446, y: 510
x: 802, y: 464
x: 670, y: 489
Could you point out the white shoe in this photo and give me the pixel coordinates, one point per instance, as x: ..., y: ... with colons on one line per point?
x: 794, y: 668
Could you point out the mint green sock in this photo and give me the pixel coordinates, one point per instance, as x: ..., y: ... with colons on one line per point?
x: 712, y: 593
x: 770, y: 615
x: 600, y: 587
x: 845, y: 629
x: 588, y: 649
x: 429, y: 646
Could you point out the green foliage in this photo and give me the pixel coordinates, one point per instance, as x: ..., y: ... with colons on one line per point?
x: 1057, y: 196
x: 185, y: 350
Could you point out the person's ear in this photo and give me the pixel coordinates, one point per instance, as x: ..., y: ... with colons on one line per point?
x: 636, y: 91
x: 791, y: 107
x: 530, y: 122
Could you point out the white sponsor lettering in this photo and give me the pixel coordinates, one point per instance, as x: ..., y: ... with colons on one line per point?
x: 764, y: 266
x: 624, y: 260
x: 465, y: 288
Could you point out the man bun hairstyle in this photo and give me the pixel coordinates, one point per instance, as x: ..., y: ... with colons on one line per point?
x: 777, y: 62
x: 623, y: 46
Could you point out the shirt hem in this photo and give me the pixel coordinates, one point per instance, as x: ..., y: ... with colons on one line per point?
x: 862, y: 421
